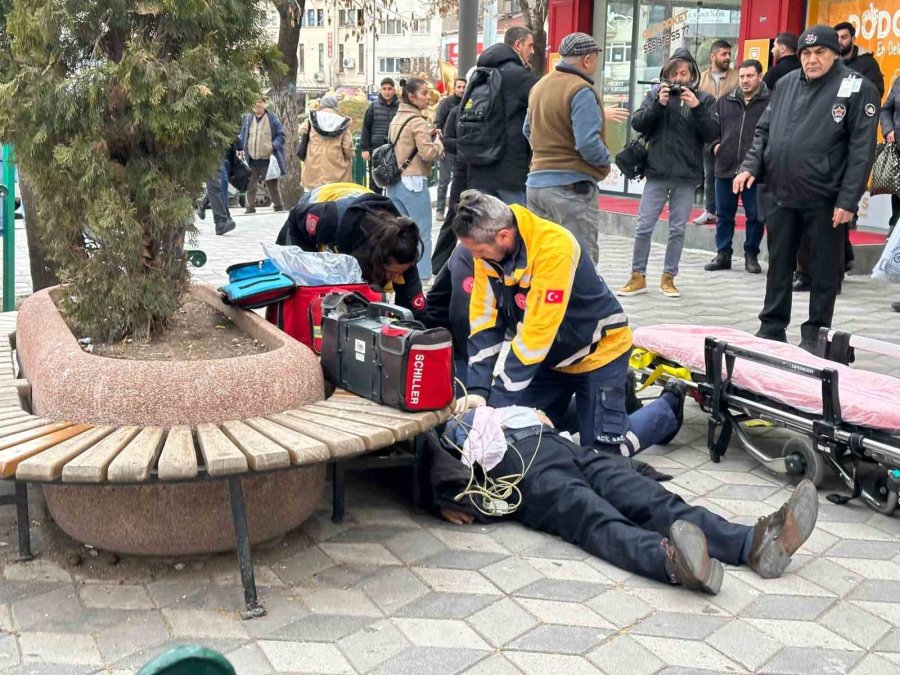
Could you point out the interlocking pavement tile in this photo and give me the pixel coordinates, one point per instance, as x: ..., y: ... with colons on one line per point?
x: 373, y: 645
x: 860, y: 548
x: 11, y: 591
x: 559, y: 639
x: 744, y: 492
x: 392, y: 588
x: 743, y: 643
x: 34, y: 612
x: 620, y: 607
x: 455, y: 581
x: 138, y: 659
x: 249, y: 660
x: 461, y: 560
x: 818, y: 542
x: 448, y: 633
x: 139, y: 630
x: 315, y: 657
x: 320, y: 628
x: 793, y: 607
x: 885, y: 570
x: 365, y: 534
x: 37, y: 570
x: 665, y: 598
x: 890, y: 642
x: 413, y: 546
x: 789, y: 584
x: 873, y: 664
x: 564, y: 613
x: 343, y: 575
x: 445, y: 606
x: 516, y: 538
x: 851, y: 622
x: 834, y: 578
x: 496, y: 664
x: 623, y: 655
x: 670, y: 624
x: 61, y: 648
x: 511, y: 574
x: 281, y: 609
x: 5, y: 619
x: 876, y: 591
x: 113, y: 596
x: 853, y: 530
x: 9, y: 652
x: 803, y: 634
x: 198, y: 623
x: 793, y: 661
x: 686, y: 653
x: 553, y: 547
x: 463, y: 539
x: 430, y: 660
x: 501, y: 622
x: 697, y: 482
x: 560, y: 589
x: 569, y: 570
x: 534, y: 663
x: 735, y: 595
x: 302, y: 565
x: 359, y: 554
x: 344, y: 602
x: 889, y: 611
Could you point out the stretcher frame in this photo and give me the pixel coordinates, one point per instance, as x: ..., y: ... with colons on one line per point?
x: 824, y: 440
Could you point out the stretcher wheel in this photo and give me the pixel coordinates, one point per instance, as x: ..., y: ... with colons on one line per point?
x: 882, y: 490
x: 803, y: 460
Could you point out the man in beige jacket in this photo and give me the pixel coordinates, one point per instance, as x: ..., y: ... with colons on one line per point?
x: 326, y: 146
x: 719, y: 80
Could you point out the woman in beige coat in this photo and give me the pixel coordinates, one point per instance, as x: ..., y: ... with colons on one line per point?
x: 418, y: 144
x: 329, y: 146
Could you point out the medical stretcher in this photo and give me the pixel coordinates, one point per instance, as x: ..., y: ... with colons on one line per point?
x: 845, y: 419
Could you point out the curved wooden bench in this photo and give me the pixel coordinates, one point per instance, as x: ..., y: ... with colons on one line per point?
x: 35, y: 450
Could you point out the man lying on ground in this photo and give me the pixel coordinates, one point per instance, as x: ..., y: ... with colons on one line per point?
x: 599, y: 502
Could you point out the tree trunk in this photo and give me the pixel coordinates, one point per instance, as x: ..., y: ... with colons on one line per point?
x: 539, y: 59
x: 534, y: 13
x: 284, y: 104
x: 43, y: 272
x: 290, y: 13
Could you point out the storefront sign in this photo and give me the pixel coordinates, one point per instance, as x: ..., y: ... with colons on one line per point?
x: 666, y: 32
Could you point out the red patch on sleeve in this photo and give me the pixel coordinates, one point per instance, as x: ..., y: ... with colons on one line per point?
x: 521, y: 301
x: 554, y: 297
x: 468, y: 284
x: 312, y: 222
x: 418, y: 302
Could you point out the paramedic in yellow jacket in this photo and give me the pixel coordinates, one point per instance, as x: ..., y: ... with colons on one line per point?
x: 532, y: 279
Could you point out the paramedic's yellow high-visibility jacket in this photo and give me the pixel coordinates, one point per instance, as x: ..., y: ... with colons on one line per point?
x: 548, y: 292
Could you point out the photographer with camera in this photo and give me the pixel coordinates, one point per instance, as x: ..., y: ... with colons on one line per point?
x: 677, y: 120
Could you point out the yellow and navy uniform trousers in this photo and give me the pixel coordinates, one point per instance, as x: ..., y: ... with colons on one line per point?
x: 327, y: 218
x: 571, y: 339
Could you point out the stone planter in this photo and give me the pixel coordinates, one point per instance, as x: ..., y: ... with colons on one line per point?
x: 70, y: 384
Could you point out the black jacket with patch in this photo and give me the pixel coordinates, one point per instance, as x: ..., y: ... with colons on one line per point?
x: 814, y: 147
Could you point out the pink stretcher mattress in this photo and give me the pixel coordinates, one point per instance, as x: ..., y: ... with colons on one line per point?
x: 867, y: 399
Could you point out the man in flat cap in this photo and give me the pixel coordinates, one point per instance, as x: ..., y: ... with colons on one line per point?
x: 815, y: 145
x: 565, y: 128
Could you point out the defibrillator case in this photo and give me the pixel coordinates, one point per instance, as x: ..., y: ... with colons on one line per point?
x: 378, y: 351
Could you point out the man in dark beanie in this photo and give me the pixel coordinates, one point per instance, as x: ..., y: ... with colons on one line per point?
x: 815, y: 145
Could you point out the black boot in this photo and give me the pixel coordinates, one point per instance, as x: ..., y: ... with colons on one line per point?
x: 678, y: 389
x: 201, y: 209
x: 801, y: 286
x: 751, y: 263
x: 722, y: 261
x: 632, y: 402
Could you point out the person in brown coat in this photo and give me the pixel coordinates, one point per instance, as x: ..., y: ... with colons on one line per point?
x: 326, y: 146
x: 416, y: 146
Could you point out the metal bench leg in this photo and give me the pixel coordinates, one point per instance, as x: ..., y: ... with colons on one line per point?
x: 239, y: 514
x: 22, y: 522
x: 338, y: 471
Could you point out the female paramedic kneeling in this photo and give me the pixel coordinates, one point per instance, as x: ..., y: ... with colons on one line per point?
x: 348, y: 218
x: 599, y: 502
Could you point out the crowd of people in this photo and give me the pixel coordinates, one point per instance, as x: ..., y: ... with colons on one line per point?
x: 516, y: 258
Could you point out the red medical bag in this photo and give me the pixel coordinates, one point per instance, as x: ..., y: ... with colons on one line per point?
x: 300, y: 315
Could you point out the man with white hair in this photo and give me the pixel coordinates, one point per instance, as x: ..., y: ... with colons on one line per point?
x: 564, y: 125
x: 532, y: 278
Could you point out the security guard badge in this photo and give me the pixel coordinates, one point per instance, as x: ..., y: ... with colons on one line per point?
x: 838, y: 112
x: 870, y: 110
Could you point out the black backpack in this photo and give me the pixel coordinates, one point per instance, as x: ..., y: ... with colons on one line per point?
x: 385, y: 170
x: 481, y: 127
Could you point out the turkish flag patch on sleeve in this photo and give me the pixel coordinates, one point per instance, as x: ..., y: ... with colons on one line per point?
x: 554, y: 297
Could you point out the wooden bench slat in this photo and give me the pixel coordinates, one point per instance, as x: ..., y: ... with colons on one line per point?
x: 340, y: 444
x: 178, y: 460
x: 11, y: 408
x: 373, y: 437
x: 222, y: 457
x: 30, y: 431
x: 90, y: 466
x: 136, y: 460
x: 12, y: 457
x: 431, y: 417
x: 302, y: 449
x: 48, y: 465
x: 262, y: 452
x: 13, y: 414
x: 16, y: 426
x: 401, y: 429
x: 423, y: 421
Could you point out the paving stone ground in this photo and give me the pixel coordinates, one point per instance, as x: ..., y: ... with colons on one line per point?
x: 391, y: 590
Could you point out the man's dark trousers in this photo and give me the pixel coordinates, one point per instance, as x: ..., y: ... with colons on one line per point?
x: 445, y: 173
x: 709, y: 180
x: 785, y: 227
x: 594, y: 501
x: 600, y: 407
x: 726, y: 208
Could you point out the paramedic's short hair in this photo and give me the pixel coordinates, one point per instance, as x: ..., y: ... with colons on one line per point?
x: 480, y: 217
x: 516, y: 33
x: 788, y: 41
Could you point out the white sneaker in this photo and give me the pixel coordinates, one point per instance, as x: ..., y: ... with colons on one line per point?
x: 705, y: 218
